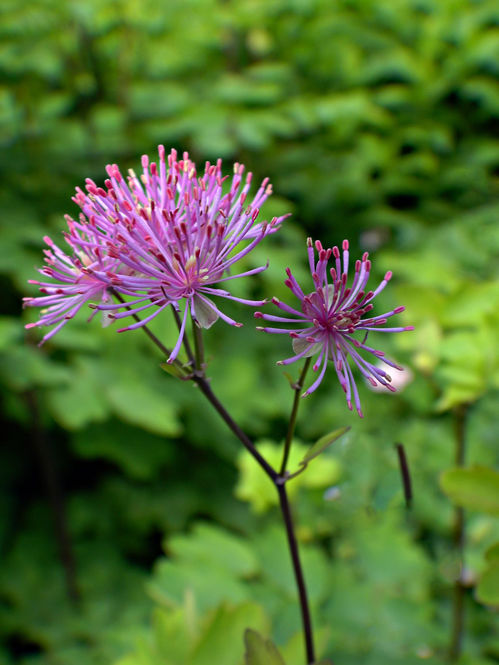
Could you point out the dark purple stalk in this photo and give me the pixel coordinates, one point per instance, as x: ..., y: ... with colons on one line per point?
x: 459, y: 541
x: 405, y: 474
x: 298, y: 571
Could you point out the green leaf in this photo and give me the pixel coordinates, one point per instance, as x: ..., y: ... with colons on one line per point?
x: 221, y: 640
x: 323, y: 443
x: 476, y: 488
x: 209, y: 545
x: 492, y: 553
x: 260, y: 651
x: 254, y: 485
x: 140, y: 454
x: 487, y: 590
x: 172, y: 369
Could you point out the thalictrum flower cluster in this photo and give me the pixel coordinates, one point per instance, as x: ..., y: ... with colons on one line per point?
x: 166, y: 238
x: 171, y: 238
x: 331, y: 315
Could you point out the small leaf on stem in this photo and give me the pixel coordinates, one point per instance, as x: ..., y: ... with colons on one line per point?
x: 323, y: 443
x: 172, y: 369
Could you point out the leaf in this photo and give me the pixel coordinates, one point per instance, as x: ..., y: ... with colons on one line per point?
x: 476, y: 488
x: 140, y: 454
x: 209, y: 545
x: 487, y: 590
x: 254, y: 485
x: 492, y: 553
x: 221, y: 640
x: 260, y: 651
x: 137, y: 403
x: 323, y: 443
x: 210, y: 585
x: 172, y: 369
x: 81, y: 401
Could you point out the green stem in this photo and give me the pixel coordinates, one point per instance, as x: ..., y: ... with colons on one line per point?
x: 298, y: 386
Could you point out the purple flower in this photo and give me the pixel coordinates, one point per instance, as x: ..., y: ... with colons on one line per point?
x: 178, y: 235
x: 76, y: 281
x: 330, y: 315
x: 162, y: 238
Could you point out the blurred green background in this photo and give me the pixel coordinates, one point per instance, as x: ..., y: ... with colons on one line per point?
x: 374, y: 121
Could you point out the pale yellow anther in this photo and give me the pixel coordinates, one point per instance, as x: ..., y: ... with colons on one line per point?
x: 191, y: 262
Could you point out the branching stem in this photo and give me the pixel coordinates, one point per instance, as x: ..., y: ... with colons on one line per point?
x: 279, y: 479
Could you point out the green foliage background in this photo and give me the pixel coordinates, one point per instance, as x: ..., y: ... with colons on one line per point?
x: 375, y: 121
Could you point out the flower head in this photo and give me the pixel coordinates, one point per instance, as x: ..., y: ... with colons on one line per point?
x: 331, y: 315
x: 75, y: 280
x: 163, y: 238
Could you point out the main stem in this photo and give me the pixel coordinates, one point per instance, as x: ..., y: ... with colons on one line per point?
x: 459, y: 538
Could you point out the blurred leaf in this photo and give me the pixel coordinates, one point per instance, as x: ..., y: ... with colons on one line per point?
x: 221, y: 641
x: 82, y: 400
x: 140, y: 454
x: 210, y: 545
x: 255, y: 486
x: 487, y: 590
x: 260, y: 651
x: 475, y: 488
x: 492, y: 553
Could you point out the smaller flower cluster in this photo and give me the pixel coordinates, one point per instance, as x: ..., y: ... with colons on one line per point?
x: 163, y: 238
x: 330, y: 315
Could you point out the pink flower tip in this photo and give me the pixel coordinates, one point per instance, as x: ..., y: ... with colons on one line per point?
x: 388, y: 275
x: 397, y: 310
x: 258, y: 315
x: 345, y: 245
